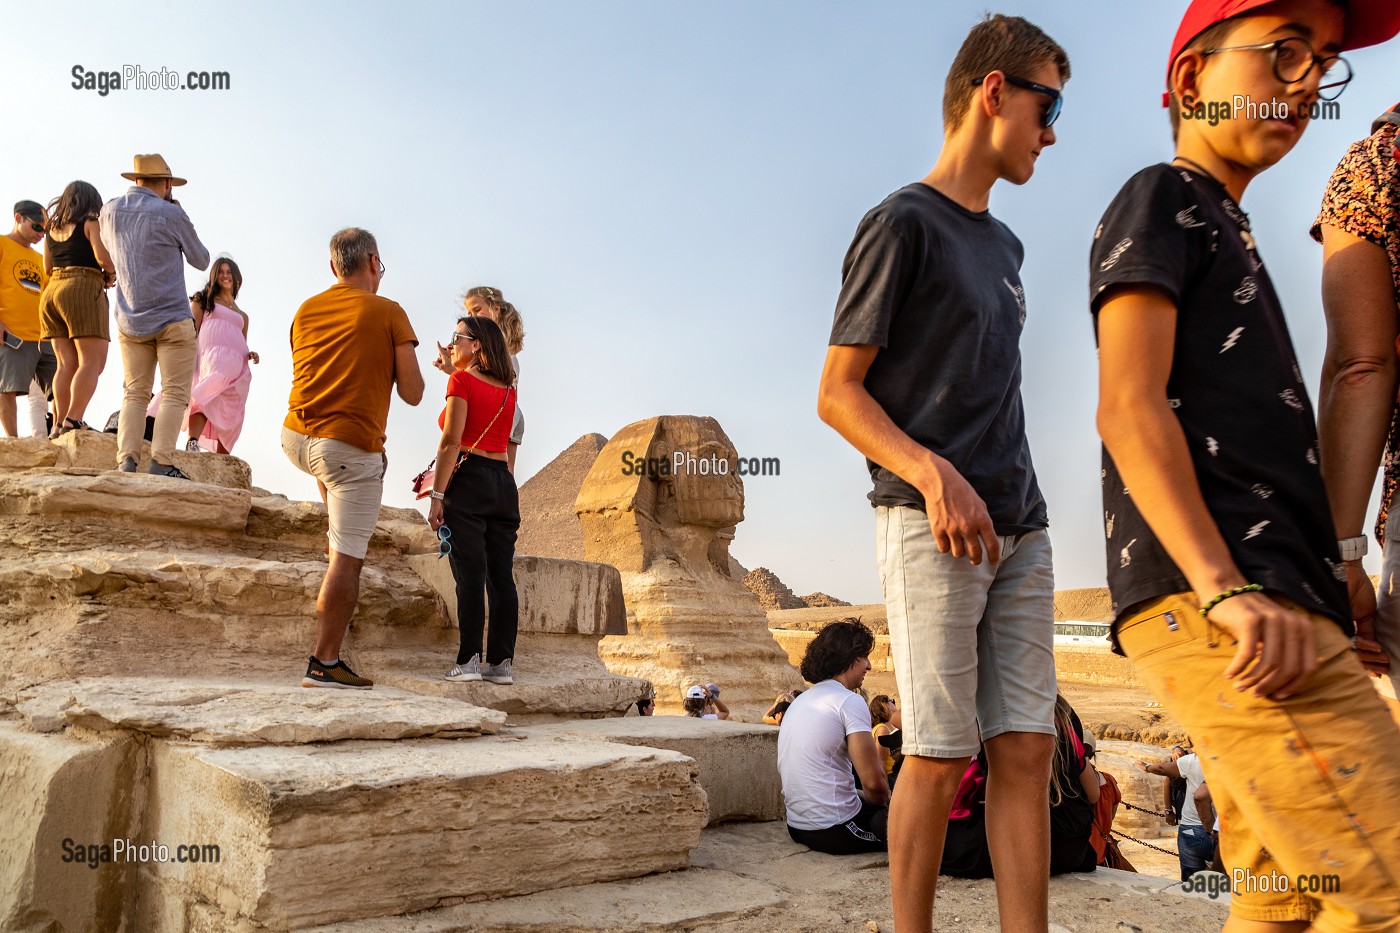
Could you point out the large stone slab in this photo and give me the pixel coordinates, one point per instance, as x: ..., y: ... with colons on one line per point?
x: 315, y: 835
x: 277, y: 518
x: 738, y: 761
x: 139, y: 497
x: 673, y: 901
x: 556, y: 677
x: 557, y: 597
x: 251, y: 714
x: 26, y: 453
x: 98, y: 451
x: 60, y: 796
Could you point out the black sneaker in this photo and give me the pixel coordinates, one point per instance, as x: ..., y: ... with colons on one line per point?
x: 128, y: 465
x: 156, y: 468
x: 334, y: 675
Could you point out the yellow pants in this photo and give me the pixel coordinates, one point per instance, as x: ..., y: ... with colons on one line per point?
x: 1308, y: 788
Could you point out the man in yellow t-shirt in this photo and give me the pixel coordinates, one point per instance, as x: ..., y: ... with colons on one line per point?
x: 24, y: 358
x: 350, y: 349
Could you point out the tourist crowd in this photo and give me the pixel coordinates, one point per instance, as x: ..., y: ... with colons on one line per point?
x: 351, y: 348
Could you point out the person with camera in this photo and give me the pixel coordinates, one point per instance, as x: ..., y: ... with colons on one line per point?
x: 26, y: 361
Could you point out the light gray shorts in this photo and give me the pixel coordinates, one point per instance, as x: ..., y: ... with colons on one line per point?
x: 354, y: 481
x: 973, y: 646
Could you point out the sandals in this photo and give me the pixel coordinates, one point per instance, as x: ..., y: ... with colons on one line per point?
x: 70, y: 424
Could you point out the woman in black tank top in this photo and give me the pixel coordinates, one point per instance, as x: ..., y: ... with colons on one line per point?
x: 74, y: 305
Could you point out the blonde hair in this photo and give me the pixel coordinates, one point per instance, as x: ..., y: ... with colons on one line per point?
x: 512, y: 325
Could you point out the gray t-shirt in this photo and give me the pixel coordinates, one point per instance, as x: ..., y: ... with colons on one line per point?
x: 937, y: 287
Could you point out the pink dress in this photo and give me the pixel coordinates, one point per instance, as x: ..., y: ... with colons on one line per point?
x: 221, y: 381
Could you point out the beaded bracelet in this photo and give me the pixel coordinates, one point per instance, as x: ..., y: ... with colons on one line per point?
x: 1247, y: 588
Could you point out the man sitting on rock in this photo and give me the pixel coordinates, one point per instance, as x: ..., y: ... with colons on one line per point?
x: 826, y: 733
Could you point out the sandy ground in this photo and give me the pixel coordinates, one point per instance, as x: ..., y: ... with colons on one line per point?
x: 751, y: 878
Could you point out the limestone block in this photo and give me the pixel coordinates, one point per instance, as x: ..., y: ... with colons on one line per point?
x: 398, y: 827
x: 738, y: 761
x: 1094, y: 665
x: 276, y: 518
x: 97, y: 450
x: 26, y: 453
x: 556, y: 677
x: 246, y: 714
x: 59, y: 788
x: 156, y: 500
x: 699, y: 898
x: 559, y: 597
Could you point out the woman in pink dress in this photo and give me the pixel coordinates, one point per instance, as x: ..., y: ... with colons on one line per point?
x: 220, y: 391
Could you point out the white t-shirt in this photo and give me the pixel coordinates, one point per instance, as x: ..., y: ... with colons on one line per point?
x: 1190, y: 768
x: 819, y: 786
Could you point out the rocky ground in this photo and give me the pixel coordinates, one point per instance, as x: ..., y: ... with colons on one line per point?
x: 751, y: 878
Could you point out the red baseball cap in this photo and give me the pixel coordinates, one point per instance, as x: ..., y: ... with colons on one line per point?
x: 1369, y: 22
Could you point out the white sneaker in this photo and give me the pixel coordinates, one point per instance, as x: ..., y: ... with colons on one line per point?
x: 497, y: 673
x: 193, y: 446
x: 465, y: 673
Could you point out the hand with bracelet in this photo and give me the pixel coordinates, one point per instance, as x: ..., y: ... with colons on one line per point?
x: 1275, y: 654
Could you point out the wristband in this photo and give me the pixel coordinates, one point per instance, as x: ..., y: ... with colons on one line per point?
x: 1237, y: 591
x: 437, y: 496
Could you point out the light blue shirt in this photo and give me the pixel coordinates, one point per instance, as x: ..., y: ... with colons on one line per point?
x: 150, y: 240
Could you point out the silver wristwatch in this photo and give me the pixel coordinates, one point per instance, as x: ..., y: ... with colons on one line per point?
x: 1353, y: 548
x: 439, y: 496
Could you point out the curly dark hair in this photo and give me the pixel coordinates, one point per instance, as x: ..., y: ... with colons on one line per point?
x: 836, y: 648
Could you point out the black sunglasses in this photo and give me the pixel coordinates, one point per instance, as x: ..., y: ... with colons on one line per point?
x: 1057, y: 102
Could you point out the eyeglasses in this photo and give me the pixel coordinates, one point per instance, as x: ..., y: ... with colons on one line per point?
x: 456, y: 337
x: 444, y: 541
x: 381, y: 266
x: 1294, y: 59
x: 37, y: 228
x: 1057, y: 102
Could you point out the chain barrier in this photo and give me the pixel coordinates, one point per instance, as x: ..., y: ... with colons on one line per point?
x: 1161, y: 813
x: 1147, y: 844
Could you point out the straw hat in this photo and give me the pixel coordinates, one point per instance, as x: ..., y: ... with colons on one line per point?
x: 150, y: 166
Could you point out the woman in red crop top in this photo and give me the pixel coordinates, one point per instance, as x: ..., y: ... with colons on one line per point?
x: 478, y: 502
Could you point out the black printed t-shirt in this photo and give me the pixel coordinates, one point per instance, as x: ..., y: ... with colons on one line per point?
x: 937, y: 288
x: 1236, y: 388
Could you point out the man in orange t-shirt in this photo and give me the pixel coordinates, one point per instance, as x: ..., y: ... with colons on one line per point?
x: 350, y: 349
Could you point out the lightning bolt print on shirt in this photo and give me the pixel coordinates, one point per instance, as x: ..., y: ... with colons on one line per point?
x: 1233, y: 387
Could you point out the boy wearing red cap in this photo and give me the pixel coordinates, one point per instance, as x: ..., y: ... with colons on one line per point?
x: 1223, y: 561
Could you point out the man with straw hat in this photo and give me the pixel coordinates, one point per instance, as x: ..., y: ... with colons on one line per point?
x: 151, y: 238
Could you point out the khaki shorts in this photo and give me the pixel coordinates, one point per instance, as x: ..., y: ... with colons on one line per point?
x: 74, y: 304
x: 1305, y: 787
x: 354, y: 481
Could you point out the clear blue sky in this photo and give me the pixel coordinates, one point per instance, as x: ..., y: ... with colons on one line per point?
x: 664, y: 190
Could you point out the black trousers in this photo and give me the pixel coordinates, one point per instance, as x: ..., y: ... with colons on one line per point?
x: 864, y: 832
x: 482, y: 507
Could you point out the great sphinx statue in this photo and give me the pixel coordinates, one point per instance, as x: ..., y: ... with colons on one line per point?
x: 661, y: 504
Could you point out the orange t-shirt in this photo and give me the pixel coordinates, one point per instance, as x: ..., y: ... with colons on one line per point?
x: 343, y: 344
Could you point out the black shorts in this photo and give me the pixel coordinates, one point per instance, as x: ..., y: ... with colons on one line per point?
x: 864, y: 832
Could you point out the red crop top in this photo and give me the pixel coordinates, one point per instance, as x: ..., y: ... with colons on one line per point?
x: 483, y: 401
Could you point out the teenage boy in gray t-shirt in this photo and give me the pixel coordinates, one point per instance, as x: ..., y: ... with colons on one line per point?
x: 923, y: 376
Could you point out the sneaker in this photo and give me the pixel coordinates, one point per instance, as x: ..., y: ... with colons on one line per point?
x: 155, y: 468
x: 192, y: 445
x: 497, y: 673
x: 128, y: 465
x: 333, y: 675
x: 465, y: 673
